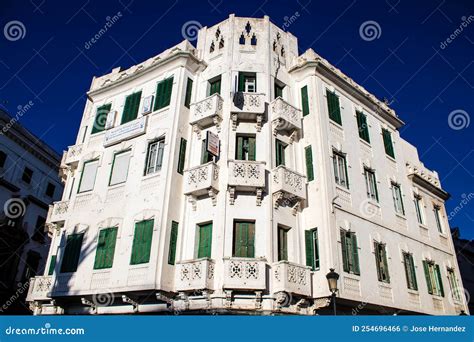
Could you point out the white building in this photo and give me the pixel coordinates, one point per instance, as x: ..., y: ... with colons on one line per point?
x: 29, y: 182
x: 311, y: 174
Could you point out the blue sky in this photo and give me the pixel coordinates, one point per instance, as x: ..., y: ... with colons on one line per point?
x: 409, y: 61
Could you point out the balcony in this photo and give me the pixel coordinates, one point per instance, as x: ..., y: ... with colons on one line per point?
x: 291, y: 278
x: 73, y: 155
x: 285, y: 117
x: 201, y: 180
x: 246, y: 175
x: 58, y: 211
x: 244, y: 274
x: 39, y: 288
x: 288, y: 187
x: 195, y: 275
x: 206, y: 113
x: 248, y: 107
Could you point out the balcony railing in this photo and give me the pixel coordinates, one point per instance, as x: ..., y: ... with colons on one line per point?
x: 58, y: 211
x: 246, y: 175
x: 291, y: 278
x: 195, y: 275
x: 207, y: 112
x: 285, y: 117
x: 39, y: 288
x: 248, y: 106
x: 288, y: 185
x: 244, y: 274
x: 72, y: 155
x: 201, y: 180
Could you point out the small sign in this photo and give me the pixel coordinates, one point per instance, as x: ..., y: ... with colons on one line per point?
x: 126, y: 131
x: 110, y: 119
x: 147, y: 102
x: 212, y: 143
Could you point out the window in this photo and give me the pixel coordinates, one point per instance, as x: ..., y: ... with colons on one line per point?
x: 387, y: 142
x: 38, y: 235
x: 253, y: 40
x: 334, y: 109
x: 410, y: 271
x: 245, y: 148
x: 280, y: 152
x: 381, y: 262
x: 142, y: 242
x: 433, y: 278
x: 279, y: 90
x: 453, y: 284
x: 350, y: 252
x: 242, y: 39
x: 371, y: 184
x: 205, y: 240
x: 52, y: 264
x: 154, y: 156
x: 418, y: 208
x: 312, y: 248
x: 189, y: 91
x: 206, y: 157
x: 31, y: 265
x: 304, y: 101
x: 363, y: 126
x: 340, y: 169
x: 244, y: 239
x: 101, y: 118
x: 308, y: 153
x: 72, y: 251
x: 27, y: 175
x: 173, y: 241
x: 120, y: 167
x: 3, y: 158
x: 215, y: 86
x: 437, y: 215
x: 104, y: 256
x: 247, y: 82
x: 397, y: 199
x: 50, y: 189
x: 283, y: 243
x: 163, y: 93
x: 130, y: 109
x: 182, y: 155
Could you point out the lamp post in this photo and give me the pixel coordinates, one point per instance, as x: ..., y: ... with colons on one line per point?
x: 332, y: 278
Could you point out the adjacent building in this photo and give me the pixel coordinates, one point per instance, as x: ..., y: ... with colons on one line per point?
x: 29, y: 182
x: 465, y: 254
x: 231, y: 177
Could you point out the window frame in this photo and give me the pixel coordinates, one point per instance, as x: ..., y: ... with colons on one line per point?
x: 129, y: 151
x: 283, y: 243
x: 105, y: 250
x: 313, y: 259
x: 438, y: 218
x: 371, y: 184
x: 381, y: 262
x: 363, y: 126
x: 334, y: 114
x: 418, y: 202
x: 397, y: 194
x: 79, y: 191
x: 280, y: 152
x: 215, y: 85
x: 350, y: 252
x: 249, y: 235
x: 337, y: 158
x: 388, y: 143
x: 158, y: 162
x: 188, y: 93
x: 410, y: 271
x: 27, y: 175
x: 247, y: 148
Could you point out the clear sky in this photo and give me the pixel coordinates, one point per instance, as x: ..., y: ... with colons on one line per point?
x: 46, y: 57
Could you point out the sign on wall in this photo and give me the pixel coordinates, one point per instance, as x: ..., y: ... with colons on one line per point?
x: 147, y: 102
x: 212, y: 143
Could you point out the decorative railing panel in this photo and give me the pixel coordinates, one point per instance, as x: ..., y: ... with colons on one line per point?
x: 195, y: 275
x: 244, y: 274
x: 248, y: 103
x: 73, y: 154
x: 292, y: 278
x: 58, y: 211
x: 39, y: 288
x: 207, y: 111
x: 286, y: 116
x: 246, y: 174
x: 289, y: 182
x: 200, y: 179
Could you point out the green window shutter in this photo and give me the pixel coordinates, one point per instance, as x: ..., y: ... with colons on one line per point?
x: 385, y: 264
x: 205, y: 241
x: 204, y: 153
x: 104, y: 256
x: 428, y: 277
x: 173, y: 241
x: 163, y: 93
x: 440, y: 280
x: 241, y: 81
x: 309, y: 163
x: 345, y: 259
x: 388, y: 144
x: 278, y: 91
x: 142, y: 242
x: 215, y: 87
x: 355, y: 255
x: 280, y: 153
x: 182, y: 155
x: 251, y: 148
x: 333, y: 107
x: 52, y: 264
x: 304, y: 101
x: 408, y: 274
x: 377, y: 261
x: 130, y: 110
x: 363, y: 127
x: 244, y: 239
x: 101, y: 118
x: 308, y: 234
x: 189, y: 90
x: 282, y: 244
x: 72, y: 252
x: 413, y: 273
x: 240, y: 148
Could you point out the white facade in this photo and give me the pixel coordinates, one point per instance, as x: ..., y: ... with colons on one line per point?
x: 275, y: 200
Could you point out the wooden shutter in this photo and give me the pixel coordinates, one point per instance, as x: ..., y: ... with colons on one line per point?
x: 355, y: 255
x: 304, y: 101
x: 101, y: 118
x: 244, y: 239
x: 182, y: 155
x: 406, y: 262
x: 205, y: 241
x: 308, y: 234
x: 345, y: 259
x: 130, y: 110
x: 52, y: 264
x: 251, y: 147
x: 388, y: 144
x: 241, y: 85
x: 385, y: 264
x: 282, y: 244
x: 104, y: 257
x: 189, y: 89
x: 88, y: 175
x: 160, y: 93
x: 309, y: 163
x: 240, y: 148
x: 377, y: 261
x: 72, y: 252
x: 142, y: 242
x: 413, y: 273
x: 440, y: 280
x: 428, y: 277
x: 173, y: 241
x: 204, y: 153
x: 333, y: 107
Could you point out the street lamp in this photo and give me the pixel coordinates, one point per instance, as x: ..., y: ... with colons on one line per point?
x: 332, y: 278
